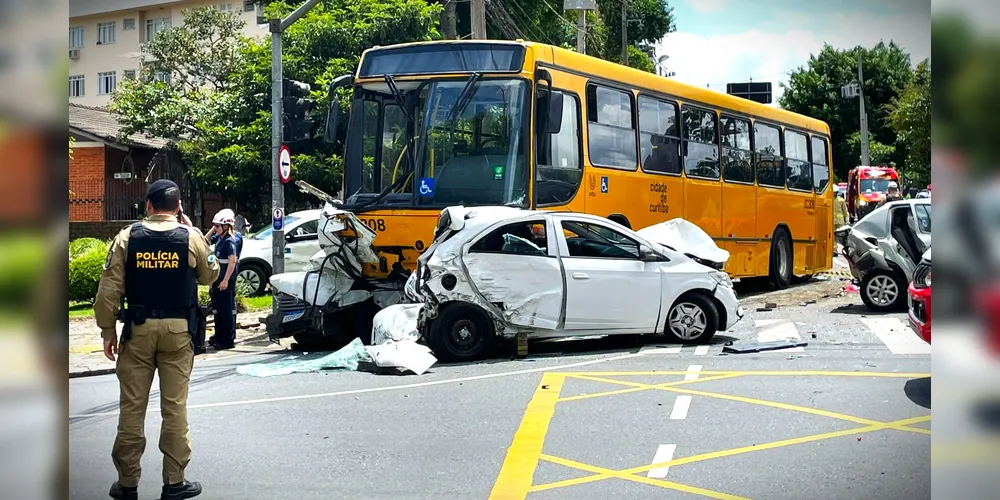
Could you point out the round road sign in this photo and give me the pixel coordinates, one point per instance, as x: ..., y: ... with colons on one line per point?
x: 284, y: 164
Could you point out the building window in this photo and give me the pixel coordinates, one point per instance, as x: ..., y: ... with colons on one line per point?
x: 154, y: 26
x: 128, y: 24
x: 107, y: 82
x: 224, y: 7
x: 821, y: 169
x: 76, y: 86
x: 249, y: 6
x: 76, y: 37
x: 659, y: 136
x: 611, y: 128
x: 162, y: 76
x: 105, y: 33
x: 560, y: 167
x: 701, y: 143
x: 767, y: 150
x: 798, y: 165
x: 129, y: 74
x: 736, y: 155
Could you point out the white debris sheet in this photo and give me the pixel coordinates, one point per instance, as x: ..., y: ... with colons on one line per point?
x: 396, y: 323
x: 406, y: 355
x: 347, y: 358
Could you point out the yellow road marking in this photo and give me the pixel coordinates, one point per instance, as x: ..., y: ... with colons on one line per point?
x: 735, y: 451
x: 761, y: 402
x: 640, y: 479
x: 755, y: 373
x: 638, y: 389
x: 518, y: 469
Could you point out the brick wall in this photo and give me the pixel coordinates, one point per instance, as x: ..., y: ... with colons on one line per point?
x: 86, y: 182
x: 100, y: 230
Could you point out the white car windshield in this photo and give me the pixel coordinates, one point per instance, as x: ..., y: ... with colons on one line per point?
x: 266, y: 232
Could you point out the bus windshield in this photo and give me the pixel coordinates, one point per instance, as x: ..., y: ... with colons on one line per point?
x: 466, y: 137
x: 875, y: 185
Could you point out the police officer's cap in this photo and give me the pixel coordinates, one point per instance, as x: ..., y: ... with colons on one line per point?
x: 160, y: 186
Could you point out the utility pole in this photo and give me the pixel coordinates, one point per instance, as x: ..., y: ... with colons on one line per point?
x: 277, y: 27
x: 477, y: 8
x: 581, y: 31
x: 624, y: 36
x: 865, y: 157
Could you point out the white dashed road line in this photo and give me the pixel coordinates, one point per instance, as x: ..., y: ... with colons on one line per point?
x: 664, y: 453
x: 681, y: 406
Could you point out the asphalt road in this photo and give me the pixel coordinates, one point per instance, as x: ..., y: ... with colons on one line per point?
x: 845, y: 417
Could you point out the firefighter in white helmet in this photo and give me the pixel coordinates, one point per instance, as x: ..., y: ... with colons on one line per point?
x: 223, y: 292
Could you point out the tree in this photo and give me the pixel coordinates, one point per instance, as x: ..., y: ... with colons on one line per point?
x: 910, y: 117
x: 814, y: 91
x: 218, y: 102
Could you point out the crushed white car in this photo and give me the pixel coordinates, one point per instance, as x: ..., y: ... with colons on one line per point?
x: 495, y: 272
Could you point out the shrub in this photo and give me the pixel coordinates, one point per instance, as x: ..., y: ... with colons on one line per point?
x: 85, y: 274
x: 81, y: 246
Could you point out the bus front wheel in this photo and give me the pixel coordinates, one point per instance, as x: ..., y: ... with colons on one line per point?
x: 781, y: 259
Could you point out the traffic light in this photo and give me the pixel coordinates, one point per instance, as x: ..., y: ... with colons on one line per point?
x: 297, y: 108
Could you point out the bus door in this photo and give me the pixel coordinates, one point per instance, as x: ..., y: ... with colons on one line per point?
x: 702, y: 186
x: 661, y: 196
x: 822, y: 180
x: 739, y: 196
x: 801, y: 218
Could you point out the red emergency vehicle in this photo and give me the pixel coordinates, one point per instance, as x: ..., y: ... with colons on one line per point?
x: 866, y: 186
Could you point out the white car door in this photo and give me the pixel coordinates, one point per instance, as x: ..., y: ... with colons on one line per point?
x: 608, y: 287
x: 515, y: 266
x: 301, y: 243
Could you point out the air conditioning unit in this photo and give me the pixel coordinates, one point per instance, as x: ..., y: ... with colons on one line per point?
x: 74, y: 53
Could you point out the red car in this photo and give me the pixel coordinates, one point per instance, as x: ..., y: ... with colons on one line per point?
x: 920, y: 298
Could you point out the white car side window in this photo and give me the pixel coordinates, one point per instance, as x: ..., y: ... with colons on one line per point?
x: 591, y: 240
x: 521, y: 238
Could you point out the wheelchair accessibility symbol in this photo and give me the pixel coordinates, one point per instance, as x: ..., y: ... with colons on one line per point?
x: 426, y: 186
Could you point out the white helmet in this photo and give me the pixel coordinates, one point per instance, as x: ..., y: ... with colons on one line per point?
x: 893, y: 185
x: 225, y: 216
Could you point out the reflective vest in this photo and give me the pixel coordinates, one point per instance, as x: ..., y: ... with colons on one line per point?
x: 158, y: 280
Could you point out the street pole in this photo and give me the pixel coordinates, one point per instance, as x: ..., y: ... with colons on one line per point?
x: 477, y: 9
x: 624, y: 36
x: 865, y: 157
x: 277, y: 28
x: 581, y: 31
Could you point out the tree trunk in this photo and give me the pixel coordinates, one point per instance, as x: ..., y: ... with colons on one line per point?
x: 449, y: 20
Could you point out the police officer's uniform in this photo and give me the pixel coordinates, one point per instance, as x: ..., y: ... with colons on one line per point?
x: 155, y: 265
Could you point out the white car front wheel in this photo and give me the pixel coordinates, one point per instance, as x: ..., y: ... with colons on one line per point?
x: 692, y: 319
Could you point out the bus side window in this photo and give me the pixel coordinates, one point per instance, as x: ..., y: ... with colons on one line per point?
x: 701, y: 143
x: 559, y: 169
x: 736, y: 154
x: 799, y: 169
x: 659, y: 136
x: 611, y: 128
x: 767, y: 154
x: 821, y: 169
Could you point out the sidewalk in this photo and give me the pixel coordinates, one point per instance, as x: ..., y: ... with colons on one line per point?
x: 86, y: 350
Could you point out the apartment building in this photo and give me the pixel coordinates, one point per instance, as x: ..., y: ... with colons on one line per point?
x: 106, y: 37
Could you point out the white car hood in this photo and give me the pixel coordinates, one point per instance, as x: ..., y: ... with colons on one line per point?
x: 686, y: 238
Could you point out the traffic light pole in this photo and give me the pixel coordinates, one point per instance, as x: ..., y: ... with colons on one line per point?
x: 277, y: 28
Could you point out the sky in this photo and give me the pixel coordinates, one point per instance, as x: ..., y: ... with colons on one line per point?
x: 722, y: 41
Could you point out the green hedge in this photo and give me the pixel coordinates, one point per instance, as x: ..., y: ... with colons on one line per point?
x: 85, y: 269
x: 81, y: 246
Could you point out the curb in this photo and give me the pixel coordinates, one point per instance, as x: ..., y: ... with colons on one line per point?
x: 92, y: 373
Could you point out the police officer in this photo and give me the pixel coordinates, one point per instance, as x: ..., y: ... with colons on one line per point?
x: 154, y: 266
x: 892, y: 194
x: 223, y: 291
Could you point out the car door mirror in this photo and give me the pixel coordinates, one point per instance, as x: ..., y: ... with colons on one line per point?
x: 647, y: 254
x: 291, y: 237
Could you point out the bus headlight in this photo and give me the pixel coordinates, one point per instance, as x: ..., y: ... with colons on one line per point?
x: 862, y: 202
x: 722, y: 278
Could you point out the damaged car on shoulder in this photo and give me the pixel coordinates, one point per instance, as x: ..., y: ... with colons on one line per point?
x: 493, y: 273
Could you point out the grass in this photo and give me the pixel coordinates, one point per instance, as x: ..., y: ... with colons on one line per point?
x: 86, y: 309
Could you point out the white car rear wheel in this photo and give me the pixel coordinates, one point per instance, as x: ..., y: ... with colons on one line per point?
x: 692, y: 319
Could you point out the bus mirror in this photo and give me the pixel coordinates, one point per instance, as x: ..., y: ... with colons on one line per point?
x: 553, y: 122
x: 333, y: 114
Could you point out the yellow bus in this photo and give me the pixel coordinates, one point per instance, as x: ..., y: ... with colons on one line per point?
x: 442, y: 123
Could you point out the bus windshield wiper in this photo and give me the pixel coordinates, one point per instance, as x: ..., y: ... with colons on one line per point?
x: 465, y: 97
x: 398, y: 96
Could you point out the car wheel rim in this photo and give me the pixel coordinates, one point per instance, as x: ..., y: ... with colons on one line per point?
x: 249, y: 280
x: 882, y: 290
x: 687, y: 321
x: 463, y: 335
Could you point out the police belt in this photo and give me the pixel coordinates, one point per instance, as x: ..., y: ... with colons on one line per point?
x: 139, y: 314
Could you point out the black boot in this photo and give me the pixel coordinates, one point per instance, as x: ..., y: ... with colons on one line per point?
x: 180, y: 491
x: 119, y: 492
